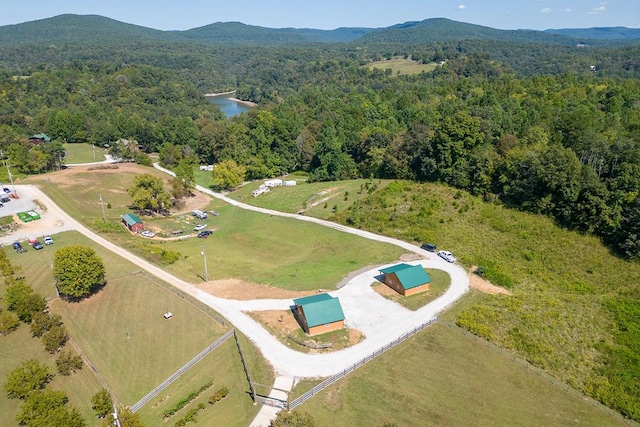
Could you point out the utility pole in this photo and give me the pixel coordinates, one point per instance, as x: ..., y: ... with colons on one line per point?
x: 104, y: 217
x: 204, y: 258
x: 8, y: 172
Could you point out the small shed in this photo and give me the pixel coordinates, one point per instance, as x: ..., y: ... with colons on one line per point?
x: 406, y: 279
x: 132, y: 222
x: 319, y: 313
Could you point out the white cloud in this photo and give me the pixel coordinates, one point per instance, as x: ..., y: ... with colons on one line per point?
x: 546, y: 10
x: 597, y: 10
x: 462, y: 7
x: 567, y: 10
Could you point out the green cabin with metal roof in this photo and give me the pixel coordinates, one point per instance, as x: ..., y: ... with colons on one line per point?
x: 132, y: 222
x: 319, y: 313
x: 406, y: 279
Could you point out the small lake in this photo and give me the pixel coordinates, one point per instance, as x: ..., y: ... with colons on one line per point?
x: 228, y: 106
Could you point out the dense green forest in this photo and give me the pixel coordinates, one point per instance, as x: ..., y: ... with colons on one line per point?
x: 543, y: 127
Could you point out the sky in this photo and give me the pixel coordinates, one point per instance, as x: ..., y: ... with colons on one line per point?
x: 331, y: 14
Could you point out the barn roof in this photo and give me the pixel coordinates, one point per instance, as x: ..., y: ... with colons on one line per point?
x: 410, y: 276
x: 320, y: 309
x: 131, y: 219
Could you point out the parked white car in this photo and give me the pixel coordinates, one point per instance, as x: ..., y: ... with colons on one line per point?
x: 47, y: 240
x: 147, y: 233
x: 447, y: 256
x: 199, y: 227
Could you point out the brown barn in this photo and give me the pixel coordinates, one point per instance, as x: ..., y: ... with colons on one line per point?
x: 406, y: 279
x: 132, y: 222
x: 319, y: 313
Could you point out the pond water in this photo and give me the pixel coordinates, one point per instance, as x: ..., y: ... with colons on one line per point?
x: 229, y: 106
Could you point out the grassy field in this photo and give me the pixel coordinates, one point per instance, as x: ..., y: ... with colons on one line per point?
x: 83, y: 153
x: 317, y: 199
x: 127, y: 317
x: 278, y: 255
x: 443, y: 378
x: 269, y: 250
x: 402, y: 66
x: 561, y: 281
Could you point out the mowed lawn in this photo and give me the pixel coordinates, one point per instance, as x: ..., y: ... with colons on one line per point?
x: 83, y: 153
x: 245, y: 245
x: 442, y: 377
x: 277, y: 251
x: 121, y: 329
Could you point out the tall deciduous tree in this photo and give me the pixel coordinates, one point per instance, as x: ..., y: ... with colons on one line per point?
x: 102, y: 403
x: 78, y: 271
x: 49, y: 408
x: 148, y: 193
x: 228, y: 174
x: 30, y: 376
x: 21, y: 299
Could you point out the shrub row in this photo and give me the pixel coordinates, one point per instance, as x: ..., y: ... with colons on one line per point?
x: 219, y: 395
x: 184, y: 402
x: 190, y: 416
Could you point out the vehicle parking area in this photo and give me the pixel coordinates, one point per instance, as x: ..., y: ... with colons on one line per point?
x: 48, y: 224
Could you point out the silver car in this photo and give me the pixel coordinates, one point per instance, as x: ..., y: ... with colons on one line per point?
x: 447, y: 256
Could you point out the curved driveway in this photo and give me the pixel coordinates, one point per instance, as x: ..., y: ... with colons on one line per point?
x: 380, y: 320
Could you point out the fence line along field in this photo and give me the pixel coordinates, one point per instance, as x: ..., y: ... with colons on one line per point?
x: 122, y: 332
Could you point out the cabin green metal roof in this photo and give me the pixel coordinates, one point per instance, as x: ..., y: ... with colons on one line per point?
x: 410, y: 276
x: 320, y: 309
x: 131, y: 219
x: 42, y: 136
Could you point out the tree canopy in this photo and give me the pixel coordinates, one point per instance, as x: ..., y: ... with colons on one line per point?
x: 30, y: 376
x: 78, y: 271
x: 148, y: 193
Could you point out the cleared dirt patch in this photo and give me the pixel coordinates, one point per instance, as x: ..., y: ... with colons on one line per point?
x: 477, y: 282
x: 244, y: 291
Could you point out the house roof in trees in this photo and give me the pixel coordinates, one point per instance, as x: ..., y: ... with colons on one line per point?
x: 131, y: 219
x: 40, y: 137
x: 410, y: 276
x: 320, y: 309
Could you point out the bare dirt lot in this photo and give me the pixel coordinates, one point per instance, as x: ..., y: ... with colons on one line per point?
x: 245, y: 291
x: 78, y: 174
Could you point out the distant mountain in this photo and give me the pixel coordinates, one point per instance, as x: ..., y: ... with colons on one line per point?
x: 599, y: 33
x: 446, y: 30
x: 74, y: 28
x: 91, y: 29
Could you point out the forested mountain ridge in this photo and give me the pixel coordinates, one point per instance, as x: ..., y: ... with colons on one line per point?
x: 71, y: 28
x: 598, y: 33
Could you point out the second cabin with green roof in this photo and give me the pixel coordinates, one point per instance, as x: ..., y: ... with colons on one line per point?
x: 406, y: 279
x: 319, y: 313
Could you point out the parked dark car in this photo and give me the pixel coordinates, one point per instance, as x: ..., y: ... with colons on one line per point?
x: 429, y: 247
x: 37, y: 246
x: 204, y: 234
x: 18, y: 247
